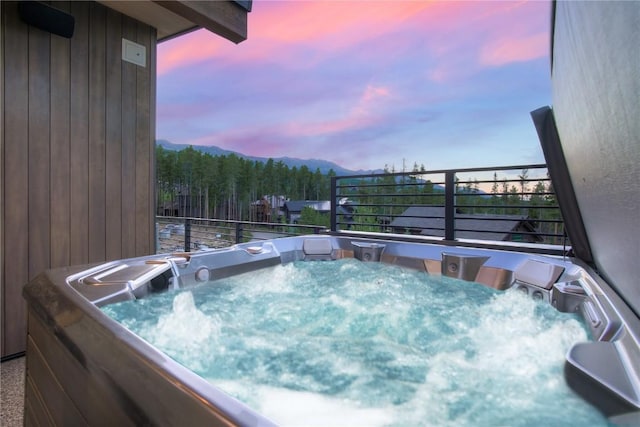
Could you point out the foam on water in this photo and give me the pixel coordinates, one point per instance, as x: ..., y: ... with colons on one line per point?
x: 351, y: 343
x: 297, y: 408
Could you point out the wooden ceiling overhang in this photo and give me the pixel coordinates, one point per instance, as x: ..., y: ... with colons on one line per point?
x: 172, y: 18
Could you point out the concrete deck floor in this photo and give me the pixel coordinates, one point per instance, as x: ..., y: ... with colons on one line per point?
x: 12, y: 392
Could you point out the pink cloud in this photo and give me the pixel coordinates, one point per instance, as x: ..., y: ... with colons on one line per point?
x: 373, y: 93
x: 280, y: 31
x: 261, y: 140
x: 488, y: 34
x: 181, y: 111
x: 325, y: 127
x: 521, y: 33
x: 265, y: 140
x: 312, y: 21
x: 503, y: 51
x: 188, y: 50
x: 276, y: 27
x: 361, y: 115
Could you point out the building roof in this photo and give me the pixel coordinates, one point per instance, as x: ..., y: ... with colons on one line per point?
x: 298, y: 205
x: 175, y: 17
x: 430, y: 220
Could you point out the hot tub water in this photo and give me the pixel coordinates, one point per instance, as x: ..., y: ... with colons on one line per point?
x: 352, y: 343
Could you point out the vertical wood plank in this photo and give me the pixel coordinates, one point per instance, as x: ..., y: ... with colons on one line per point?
x: 152, y: 131
x: 15, y: 179
x: 60, y: 135
x: 114, y: 136
x: 39, y: 155
x: 79, y: 172
x: 97, y: 132
x: 143, y: 143
x: 2, y: 204
x: 128, y: 145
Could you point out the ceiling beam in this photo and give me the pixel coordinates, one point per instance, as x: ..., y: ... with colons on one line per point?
x: 225, y: 18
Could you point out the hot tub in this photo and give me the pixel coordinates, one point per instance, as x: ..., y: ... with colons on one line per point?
x: 84, y: 368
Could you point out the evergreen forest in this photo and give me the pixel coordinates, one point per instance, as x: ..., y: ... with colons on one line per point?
x: 224, y: 187
x: 196, y: 184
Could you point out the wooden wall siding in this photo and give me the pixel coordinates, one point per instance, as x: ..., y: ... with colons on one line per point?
x: 128, y: 148
x: 38, y: 124
x: 15, y: 180
x: 1, y: 160
x: 97, y: 171
x: 60, y: 196
x: 79, y: 125
x: 113, y: 129
x: 144, y: 186
x: 78, y: 160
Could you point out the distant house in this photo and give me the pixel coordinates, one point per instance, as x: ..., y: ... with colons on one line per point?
x: 268, y: 207
x: 429, y: 221
x: 293, y: 209
x: 185, y: 204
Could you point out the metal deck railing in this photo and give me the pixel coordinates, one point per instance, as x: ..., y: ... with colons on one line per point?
x: 189, y: 234
x: 513, y: 206
x: 505, y: 204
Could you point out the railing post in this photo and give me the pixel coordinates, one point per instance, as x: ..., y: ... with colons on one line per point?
x: 334, y: 203
x: 157, y: 235
x: 238, y: 232
x: 187, y: 235
x: 449, y: 205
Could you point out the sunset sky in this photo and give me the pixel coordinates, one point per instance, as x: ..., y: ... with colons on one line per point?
x: 365, y: 84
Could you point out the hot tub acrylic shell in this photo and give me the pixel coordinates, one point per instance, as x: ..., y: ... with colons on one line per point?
x: 84, y: 368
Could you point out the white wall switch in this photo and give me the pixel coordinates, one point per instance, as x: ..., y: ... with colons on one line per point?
x: 134, y: 53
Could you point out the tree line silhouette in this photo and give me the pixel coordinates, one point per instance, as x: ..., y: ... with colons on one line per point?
x: 226, y: 188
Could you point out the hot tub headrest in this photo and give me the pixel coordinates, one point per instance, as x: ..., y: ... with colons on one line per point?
x: 320, y: 248
x: 537, y: 273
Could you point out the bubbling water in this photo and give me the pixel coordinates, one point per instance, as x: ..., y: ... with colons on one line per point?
x: 351, y: 343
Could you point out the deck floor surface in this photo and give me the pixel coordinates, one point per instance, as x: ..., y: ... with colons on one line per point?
x: 12, y: 392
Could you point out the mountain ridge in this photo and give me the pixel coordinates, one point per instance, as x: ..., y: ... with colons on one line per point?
x: 323, y: 165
